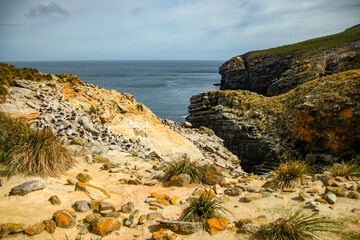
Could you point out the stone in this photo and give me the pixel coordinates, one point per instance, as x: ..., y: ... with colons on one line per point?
x: 81, y: 206
x: 330, y: 197
x: 93, y: 191
x: 100, y: 159
x: 65, y: 218
x: 175, y: 200
x: 289, y: 190
x: 198, y: 191
x: 354, y: 176
x: 213, y: 174
x: 55, y: 200
x: 186, y: 124
x: 77, y: 141
x: 249, y: 197
x: 163, y: 202
x: 128, y: 207
x: 279, y: 196
x: 353, y: 195
x: 35, y: 229
x: 142, y: 219
x: 150, y: 199
x: 113, y: 214
x: 160, y: 195
x: 151, y: 182
x: 250, y: 228
x: 303, y: 196
x: 214, y: 225
x: 207, y: 131
x: 339, y: 191
x: 134, y: 181
x: 50, y: 225
x: 1, y: 182
x: 233, y: 192
x: 154, y: 216
x: 72, y: 181
x: 92, y: 217
x: 106, y: 206
x: 181, y: 180
x: 83, y: 229
x: 27, y: 187
x: 95, y: 204
x: 164, y: 234
x: 115, y: 170
x: 341, y: 179
x: 179, y: 226
x: 133, y: 219
x: 313, y: 191
x: 8, y: 228
x: 104, y: 226
x: 83, y: 177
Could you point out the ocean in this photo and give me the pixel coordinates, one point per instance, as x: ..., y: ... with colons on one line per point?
x: 163, y: 86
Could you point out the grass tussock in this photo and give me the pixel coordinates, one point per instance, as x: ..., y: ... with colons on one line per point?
x: 185, y: 166
x: 3, y: 92
x: 344, y: 169
x: 288, y: 174
x: 296, y: 226
x: 203, y: 208
x: 31, y: 152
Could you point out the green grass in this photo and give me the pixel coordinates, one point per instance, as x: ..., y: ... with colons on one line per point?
x: 345, y: 169
x: 203, y: 208
x: 184, y: 166
x: 296, y: 226
x: 3, y: 92
x: 31, y: 152
x: 288, y: 174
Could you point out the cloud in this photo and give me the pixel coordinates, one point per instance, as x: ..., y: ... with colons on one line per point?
x: 51, y: 10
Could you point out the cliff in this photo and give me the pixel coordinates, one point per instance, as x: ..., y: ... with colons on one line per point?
x: 278, y: 70
x: 318, y: 121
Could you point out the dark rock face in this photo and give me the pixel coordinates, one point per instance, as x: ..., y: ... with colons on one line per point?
x: 275, y: 71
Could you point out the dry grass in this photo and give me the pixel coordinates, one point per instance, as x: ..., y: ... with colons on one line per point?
x: 296, y: 226
x: 288, y: 174
x: 30, y: 152
x: 203, y: 208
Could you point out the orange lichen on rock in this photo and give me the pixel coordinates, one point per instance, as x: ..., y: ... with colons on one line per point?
x: 164, y: 234
x: 104, y: 226
x: 65, y: 218
x: 214, y: 225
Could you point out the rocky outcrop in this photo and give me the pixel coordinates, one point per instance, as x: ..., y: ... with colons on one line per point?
x: 317, y: 121
x: 278, y: 70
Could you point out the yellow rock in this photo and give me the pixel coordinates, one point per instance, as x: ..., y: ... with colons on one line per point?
x: 214, y: 225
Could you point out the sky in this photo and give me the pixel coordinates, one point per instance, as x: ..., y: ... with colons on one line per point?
x: 44, y: 30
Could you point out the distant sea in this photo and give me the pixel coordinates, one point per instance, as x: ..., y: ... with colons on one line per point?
x: 163, y: 86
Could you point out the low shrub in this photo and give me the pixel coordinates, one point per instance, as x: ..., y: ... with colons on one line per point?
x: 296, y: 226
x: 203, y: 208
x: 31, y: 152
x: 344, y: 169
x: 185, y: 166
x: 288, y: 174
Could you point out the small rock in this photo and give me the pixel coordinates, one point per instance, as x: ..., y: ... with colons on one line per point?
x: 330, y: 197
x: 181, y: 180
x: 303, y: 196
x: 132, y: 220
x: 207, y: 131
x: 353, y: 195
x: 186, y: 124
x: 354, y: 176
x: 250, y: 228
x: 279, y: 196
x: 179, y: 226
x: 83, y: 229
x: 289, y: 190
x: 55, y: 200
x: 92, y: 217
x: 115, y: 170
x: 214, y: 225
x: 150, y: 199
x: 95, y: 204
x: 77, y: 141
x: 175, y: 201
x: 113, y: 214
x: 213, y: 174
x: 35, y: 229
x: 198, y: 192
x: 339, y: 191
x: 128, y: 207
x: 81, y: 206
x: 160, y: 196
x: 313, y: 191
x: 134, y: 181
x: 341, y: 179
x: 252, y: 196
x: 233, y: 192
x: 50, y: 225
x: 142, y: 219
x: 65, y: 218
x: 104, y: 226
x: 84, y: 177
x: 106, y: 206
x: 155, y: 215
x: 164, y: 234
x: 151, y: 182
x: 99, y: 159
x: 27, y: 187
x: 72, y: 181
x: 163, y: 202
x: 8, y: 228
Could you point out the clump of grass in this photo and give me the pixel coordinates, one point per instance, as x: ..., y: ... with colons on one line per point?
x: 203, y: 208
x: 288, y: 174
x: 296, y: 226
x: 344, y: 169
x: 31, y: 152
x: 185, y: 166
x: 3, y: 92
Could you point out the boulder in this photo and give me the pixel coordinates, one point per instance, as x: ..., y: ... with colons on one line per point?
x: 35, y: 229
x: 65, y: 218
x: 104, y: 226
x: 27, y: 187
x: 93, y: 191
x: 213, y: 174
x: 181, y: 180
x: 179, y: 226
x: 214, y: 225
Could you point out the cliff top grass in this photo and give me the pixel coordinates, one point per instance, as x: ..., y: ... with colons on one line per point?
x: 313, y: 46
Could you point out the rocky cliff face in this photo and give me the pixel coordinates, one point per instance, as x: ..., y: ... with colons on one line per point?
x: 278, y: 70
x: 318, y: 121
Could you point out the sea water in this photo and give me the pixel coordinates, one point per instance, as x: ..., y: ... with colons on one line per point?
x: 163, y: 86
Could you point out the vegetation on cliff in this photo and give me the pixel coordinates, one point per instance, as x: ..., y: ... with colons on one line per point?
x: 31, y: 152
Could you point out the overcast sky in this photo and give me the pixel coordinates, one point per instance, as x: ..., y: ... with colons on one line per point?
x: 163, y: 29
